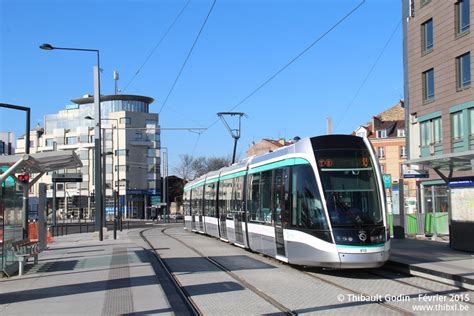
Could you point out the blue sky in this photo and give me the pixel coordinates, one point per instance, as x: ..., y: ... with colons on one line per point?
x: 243, y: 43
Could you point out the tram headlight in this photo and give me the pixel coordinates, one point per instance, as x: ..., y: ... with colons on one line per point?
x: 376, y: 239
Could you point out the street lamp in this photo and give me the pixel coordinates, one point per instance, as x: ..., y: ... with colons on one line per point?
x: 99, y: 220
x: 118, y: 167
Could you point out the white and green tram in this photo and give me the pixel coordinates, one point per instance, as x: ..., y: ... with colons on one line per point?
x: 318, y: 202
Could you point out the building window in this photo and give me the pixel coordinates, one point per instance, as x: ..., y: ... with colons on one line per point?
x: 428, y: 85
x: 471, y: 123
x: 121, y: 168
x: 462, y: 16
x: 138, y: 136
x: 49, y: 142
x: 431, y: 132
x: 457, y: 126
x: 121, y: 152
x: 381, y: 152
x: 403, y: 151
x: 382, y: 133
x: 125, y: 120
x: 108, y: 135
x: 382, y: 168
x: 71, y: 140
x: 401, y: 132
x: 463, y: 71
x: 427, y: 36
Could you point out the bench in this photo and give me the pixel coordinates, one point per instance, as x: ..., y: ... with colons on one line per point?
x: 23, y: 249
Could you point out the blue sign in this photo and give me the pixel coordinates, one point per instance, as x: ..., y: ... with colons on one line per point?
x: 9, y: 182
x: 461, y: 182
x: 109, y: 210
x: 136, y: 192
x: 153, y: 192
x: 387, y: 181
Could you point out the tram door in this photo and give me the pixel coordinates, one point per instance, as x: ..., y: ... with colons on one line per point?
x: 237, y: 195
x: 281, y: 207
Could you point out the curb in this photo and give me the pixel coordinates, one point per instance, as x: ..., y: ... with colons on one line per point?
x: 438, y: 276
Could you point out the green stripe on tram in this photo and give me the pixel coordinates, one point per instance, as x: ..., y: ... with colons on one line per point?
x: 280, y: 164
x: 233, y: 175
x: 365, y: 246
x: 273, y: 165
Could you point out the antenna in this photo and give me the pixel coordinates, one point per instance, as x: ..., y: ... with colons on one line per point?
x: 116, y: 78
x: 235, y: 133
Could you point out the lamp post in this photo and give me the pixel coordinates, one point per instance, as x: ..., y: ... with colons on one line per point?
x: 164, y: 175
x: 118, y: 166
x: 99, y: 220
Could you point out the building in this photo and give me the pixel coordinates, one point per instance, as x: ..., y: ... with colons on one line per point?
x: 131, y: 146
x: 440, y: 110
x: 6, y: 143
x: 266, y: 145
x: 386, y: 132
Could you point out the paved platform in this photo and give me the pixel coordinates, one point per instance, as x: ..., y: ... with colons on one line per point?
x: 79, y: 275
x: 434, y: 260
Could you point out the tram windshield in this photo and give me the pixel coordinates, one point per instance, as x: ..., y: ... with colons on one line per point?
x: 350, y: 187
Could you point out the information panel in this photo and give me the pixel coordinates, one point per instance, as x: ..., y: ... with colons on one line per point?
x: 462, y: 204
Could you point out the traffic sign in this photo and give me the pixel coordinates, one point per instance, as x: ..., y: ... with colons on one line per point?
x: 387, y: 181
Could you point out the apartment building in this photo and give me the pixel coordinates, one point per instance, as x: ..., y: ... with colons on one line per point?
x: 131, y: 146
x: 440, y: 107
x: 387, y: 132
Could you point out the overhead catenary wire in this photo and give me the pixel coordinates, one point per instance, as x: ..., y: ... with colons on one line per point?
x: 187, y: 57
x: 157, y: 45
x: 341, y: 117
x: 304, y: 51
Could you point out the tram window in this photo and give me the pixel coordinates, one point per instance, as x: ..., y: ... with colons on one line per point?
x: 265, y: 214
x: 307, y: 206
x: 236, y: 200
x: 210, y: 199
x: 227, y: 188
x: 253, y: 201
x: 186, y: 203
x: 221, y: 195
x: 281, y: 198
x: 197, y: 199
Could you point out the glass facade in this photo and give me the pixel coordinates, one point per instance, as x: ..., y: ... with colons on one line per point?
x: 71, y: 119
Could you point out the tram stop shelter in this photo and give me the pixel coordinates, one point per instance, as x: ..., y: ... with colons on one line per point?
x: 460, y: 190
x: 14, y: 198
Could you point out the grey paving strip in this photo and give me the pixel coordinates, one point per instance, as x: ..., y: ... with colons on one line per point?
x: 118, y: 298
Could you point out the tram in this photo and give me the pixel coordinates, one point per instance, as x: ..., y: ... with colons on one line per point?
x: 318, y: 202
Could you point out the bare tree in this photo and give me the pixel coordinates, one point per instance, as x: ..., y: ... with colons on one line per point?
x: 184, y: 169
x: 191, y: 168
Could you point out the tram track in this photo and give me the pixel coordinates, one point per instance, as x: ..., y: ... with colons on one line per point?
x: 382, y: 302
x: 186, y: 298
x: 383, y: 274
x: 243, y: 282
